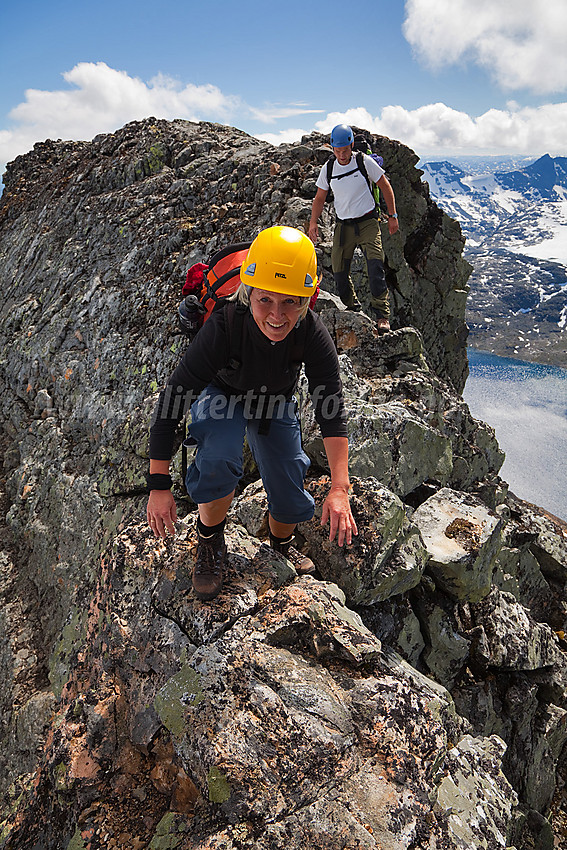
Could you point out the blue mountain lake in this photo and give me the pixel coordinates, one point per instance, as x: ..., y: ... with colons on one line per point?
x: 526, y: 404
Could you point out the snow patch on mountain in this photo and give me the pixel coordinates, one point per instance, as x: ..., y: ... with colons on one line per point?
x: 515, y: 225
x: 552, y: 224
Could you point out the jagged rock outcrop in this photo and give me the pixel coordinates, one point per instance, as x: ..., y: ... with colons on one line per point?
x: 410, y: 694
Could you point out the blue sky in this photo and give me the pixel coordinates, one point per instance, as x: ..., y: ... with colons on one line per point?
x: 445, y: 77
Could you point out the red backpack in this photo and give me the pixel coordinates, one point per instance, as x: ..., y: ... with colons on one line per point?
x: 207, y: 285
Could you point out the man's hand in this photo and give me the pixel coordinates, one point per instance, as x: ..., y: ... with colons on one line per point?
x: 316, y: 210
x: 161, y: 512
x: 393, y: 226
x: 336, y: 509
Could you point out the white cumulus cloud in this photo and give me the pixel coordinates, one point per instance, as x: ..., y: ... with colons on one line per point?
x: 293, y: 134
x: 439, y: 129
x: 521, y: 43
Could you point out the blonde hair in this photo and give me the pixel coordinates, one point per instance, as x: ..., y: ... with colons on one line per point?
x: 242, y: 294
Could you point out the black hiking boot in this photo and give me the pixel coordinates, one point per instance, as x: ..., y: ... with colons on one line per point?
x: 207, y: 572
x: 301, y: 562
x: 352, y: 304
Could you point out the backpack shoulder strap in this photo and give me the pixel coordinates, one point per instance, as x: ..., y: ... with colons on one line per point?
x: 235, y: 313
x: 330, y: 163
x: 298, y: 344
x: 373, y: 187
x: 362, y: 168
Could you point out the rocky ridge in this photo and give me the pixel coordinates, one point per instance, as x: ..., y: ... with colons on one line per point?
x: 410, y: 695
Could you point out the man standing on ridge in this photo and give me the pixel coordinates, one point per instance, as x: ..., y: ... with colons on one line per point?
x: 357, y: 221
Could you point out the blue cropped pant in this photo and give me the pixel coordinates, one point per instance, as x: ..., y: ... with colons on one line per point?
x: 218, y: 426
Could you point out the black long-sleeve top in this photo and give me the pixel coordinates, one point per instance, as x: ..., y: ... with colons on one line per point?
x: 267, y: 370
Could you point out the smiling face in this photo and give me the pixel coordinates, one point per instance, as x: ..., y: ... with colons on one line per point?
x: 274, y: 313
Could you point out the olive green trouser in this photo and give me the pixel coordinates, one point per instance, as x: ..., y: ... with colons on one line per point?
x: 366, y: 236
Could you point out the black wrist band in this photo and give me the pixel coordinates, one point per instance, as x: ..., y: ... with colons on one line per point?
x: 158, y: 481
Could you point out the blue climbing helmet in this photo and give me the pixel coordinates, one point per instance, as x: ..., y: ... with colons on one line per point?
x: 341, y: 136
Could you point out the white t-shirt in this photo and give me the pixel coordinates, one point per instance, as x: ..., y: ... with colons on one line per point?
x: 352, y: 195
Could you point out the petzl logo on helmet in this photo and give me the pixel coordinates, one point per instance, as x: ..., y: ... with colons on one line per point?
x: 280, y: 274
x: 251, y: 269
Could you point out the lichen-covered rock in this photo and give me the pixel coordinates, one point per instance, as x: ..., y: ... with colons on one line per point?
x: 547, y: 536
x: 510, y: 639
x: 391, y: 445
x: 463, y: 539
x: 518, y: 572
x: 447, y: 650
x: 459, y: 794
x: 290, y: 716
x: 173, y: 596
x: 396, y: 624
x: 301, y: 723
x: 386, y: 557
x: 405, y: 426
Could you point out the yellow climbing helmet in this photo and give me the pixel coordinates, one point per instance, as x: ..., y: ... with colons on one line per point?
x: 281, y: 259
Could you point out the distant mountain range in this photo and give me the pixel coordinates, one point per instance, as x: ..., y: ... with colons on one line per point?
x: 515, y: 224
